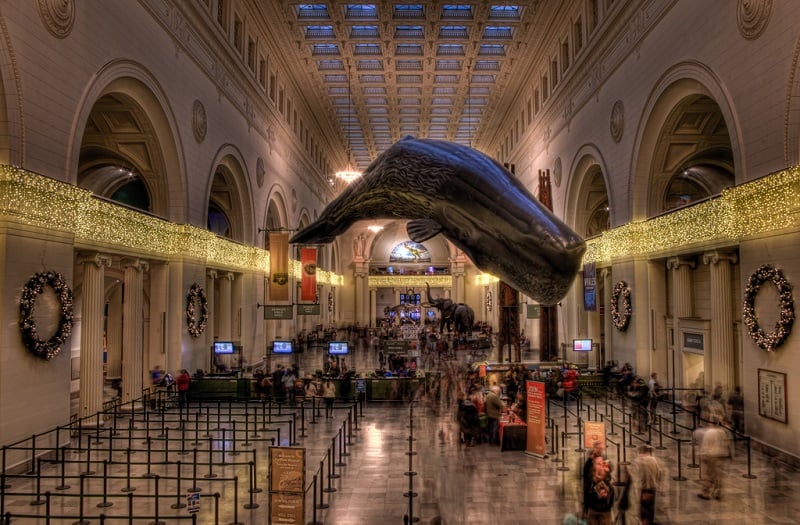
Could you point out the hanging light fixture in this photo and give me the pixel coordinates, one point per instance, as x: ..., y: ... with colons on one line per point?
x: 349, y: 175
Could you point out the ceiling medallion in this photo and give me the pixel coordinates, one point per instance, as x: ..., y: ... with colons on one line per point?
x: 617, y: 122
x: 260, y: 171
x: 557, y: 172
x: 58, y: 16
x: 199, y: 122
x: 752, y: 17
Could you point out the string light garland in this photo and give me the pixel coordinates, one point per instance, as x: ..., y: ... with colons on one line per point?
x: 621, y: 313
x: 196, y: 295
x: 30, y: 337
x: 783, y: 327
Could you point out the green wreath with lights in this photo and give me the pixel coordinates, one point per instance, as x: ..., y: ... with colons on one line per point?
x: 196, y: 295
x: 783, y: 327
x: 27, y: 325
x: 621, y: 306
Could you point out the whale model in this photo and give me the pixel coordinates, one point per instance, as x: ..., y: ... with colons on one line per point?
x: 447, y: 188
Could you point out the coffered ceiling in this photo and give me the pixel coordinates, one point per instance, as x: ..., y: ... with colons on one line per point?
x: 427, y: 69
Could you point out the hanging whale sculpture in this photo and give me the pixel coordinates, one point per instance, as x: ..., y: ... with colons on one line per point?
x: 447, y: 188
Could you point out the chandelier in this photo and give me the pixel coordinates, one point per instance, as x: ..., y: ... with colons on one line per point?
x: 349, y: 175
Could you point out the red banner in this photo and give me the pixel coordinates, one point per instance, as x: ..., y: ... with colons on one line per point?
x: 278, y: 266
x: 308, y: 280
x: 537, y: 416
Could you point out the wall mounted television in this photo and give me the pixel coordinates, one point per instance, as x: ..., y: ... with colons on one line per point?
x: 224, y: 347
x: 338, y: 348
x: 282, y: 347
x: 581, y: 345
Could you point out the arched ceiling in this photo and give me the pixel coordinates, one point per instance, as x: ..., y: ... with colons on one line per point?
x: 427, y: 69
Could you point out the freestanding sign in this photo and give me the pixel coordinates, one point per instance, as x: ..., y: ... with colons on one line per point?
x: 287, y: 475
x: 537, y: 418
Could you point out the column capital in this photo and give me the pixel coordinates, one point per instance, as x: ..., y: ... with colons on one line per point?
x: 135, y: 264
x: 98, y: 259
x: 230, y: 276
x: 212, y: 274
x: 674, y: 263
x: 716, y: 256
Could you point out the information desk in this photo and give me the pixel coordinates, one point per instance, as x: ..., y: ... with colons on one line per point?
x: 392, y: 388
x: 513, y: 434
x: 223, y: 387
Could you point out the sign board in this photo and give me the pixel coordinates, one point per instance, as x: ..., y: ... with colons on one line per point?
x: 593, y: 431
x: 308, y: 309
x: 772, y: 395
x: 193, y: 502
x: 287, y: 480
x: 534, y: 311
x: 536, y: 418
x: 694, y: 341
x: 278, y: 311
x: 395, y: 347
x: 361, y: 385
x: 286, y: 508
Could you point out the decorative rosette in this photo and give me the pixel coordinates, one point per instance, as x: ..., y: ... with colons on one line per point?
x: 621, y: 306
x: 196, y: 295
x: 30, y: 338
x: 768, y: 341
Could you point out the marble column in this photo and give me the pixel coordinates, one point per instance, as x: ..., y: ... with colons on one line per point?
x: 722, y: 344
x: 608, y: 326
x: 132, y: 337
x: 211, y: 330
x: 681, y: 269
x: 224, y: 310
x: 361, y: 299
x: 373, y: 306
x: 92, y: 314
x: 114, y: 333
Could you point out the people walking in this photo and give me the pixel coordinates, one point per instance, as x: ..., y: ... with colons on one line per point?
x: 716, y: 450
x: 329, y: 395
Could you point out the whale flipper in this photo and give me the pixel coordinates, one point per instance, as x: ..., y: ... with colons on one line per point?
x: 420, y: 230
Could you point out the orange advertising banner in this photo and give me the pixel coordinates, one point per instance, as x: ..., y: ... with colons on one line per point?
x: 278, y: 266
x: 308, y: 280
x: 537, y: 418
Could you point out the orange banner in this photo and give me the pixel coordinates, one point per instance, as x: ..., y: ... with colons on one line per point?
x: 278, y: 266
x: 308, y: 281
x: 537, y: 417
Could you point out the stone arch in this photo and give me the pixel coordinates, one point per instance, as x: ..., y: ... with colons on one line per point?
x: 677, y: 89
x: 12, y: 118
x: 229, y: 195
x: 589, y: 202
x: 791, y: 132
x: 127, y: 90
x: 276, y: 213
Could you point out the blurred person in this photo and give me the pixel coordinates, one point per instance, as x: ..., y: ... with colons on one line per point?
x: 716, y: 450
x: 599, y: 497
x: 645, y: 474
x: 494, y: 407
x: 736, y: 409
x: 183, y: 381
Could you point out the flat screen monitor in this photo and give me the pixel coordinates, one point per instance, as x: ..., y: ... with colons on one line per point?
x: 223, y: 347
x: 581, y: 345
x: 338, y: 348
x: 282, y: 347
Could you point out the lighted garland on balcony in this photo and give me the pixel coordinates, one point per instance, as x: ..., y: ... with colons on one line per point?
x: 30, y: 337
x: 621, y: 313
x: 768, y: 341
x: 196, y: 295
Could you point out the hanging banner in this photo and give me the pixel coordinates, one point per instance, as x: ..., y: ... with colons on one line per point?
x: 308, y: 280
x: 589, y: 288
x: 537, y: 416
x: 278, y: 266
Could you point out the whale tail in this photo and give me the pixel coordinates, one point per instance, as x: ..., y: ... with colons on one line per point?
x: 319, y: 232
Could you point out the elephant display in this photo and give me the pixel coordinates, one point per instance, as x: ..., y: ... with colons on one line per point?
x: 457, y: 316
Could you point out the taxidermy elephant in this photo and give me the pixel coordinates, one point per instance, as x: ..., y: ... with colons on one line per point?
x: 458, y: 315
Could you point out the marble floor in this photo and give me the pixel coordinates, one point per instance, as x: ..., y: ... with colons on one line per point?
x: 453, y: 484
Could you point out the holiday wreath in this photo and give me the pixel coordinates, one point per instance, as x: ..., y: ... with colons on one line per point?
x: 768, y: 341
x: 196, y: 326
x: 30, y: 337
x: 621, y: 312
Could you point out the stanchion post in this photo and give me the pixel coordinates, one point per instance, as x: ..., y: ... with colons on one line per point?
x: 179, y: 504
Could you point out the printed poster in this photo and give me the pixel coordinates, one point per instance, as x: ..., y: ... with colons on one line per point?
x: 593, y: 431
x: 589, y: 288
x: 537, y: 416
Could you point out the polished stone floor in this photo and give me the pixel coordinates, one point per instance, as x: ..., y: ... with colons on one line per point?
x: 457, y: 484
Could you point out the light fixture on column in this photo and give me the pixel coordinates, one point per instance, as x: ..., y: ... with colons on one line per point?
x: 349, y: 175
x: 375, y: 228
